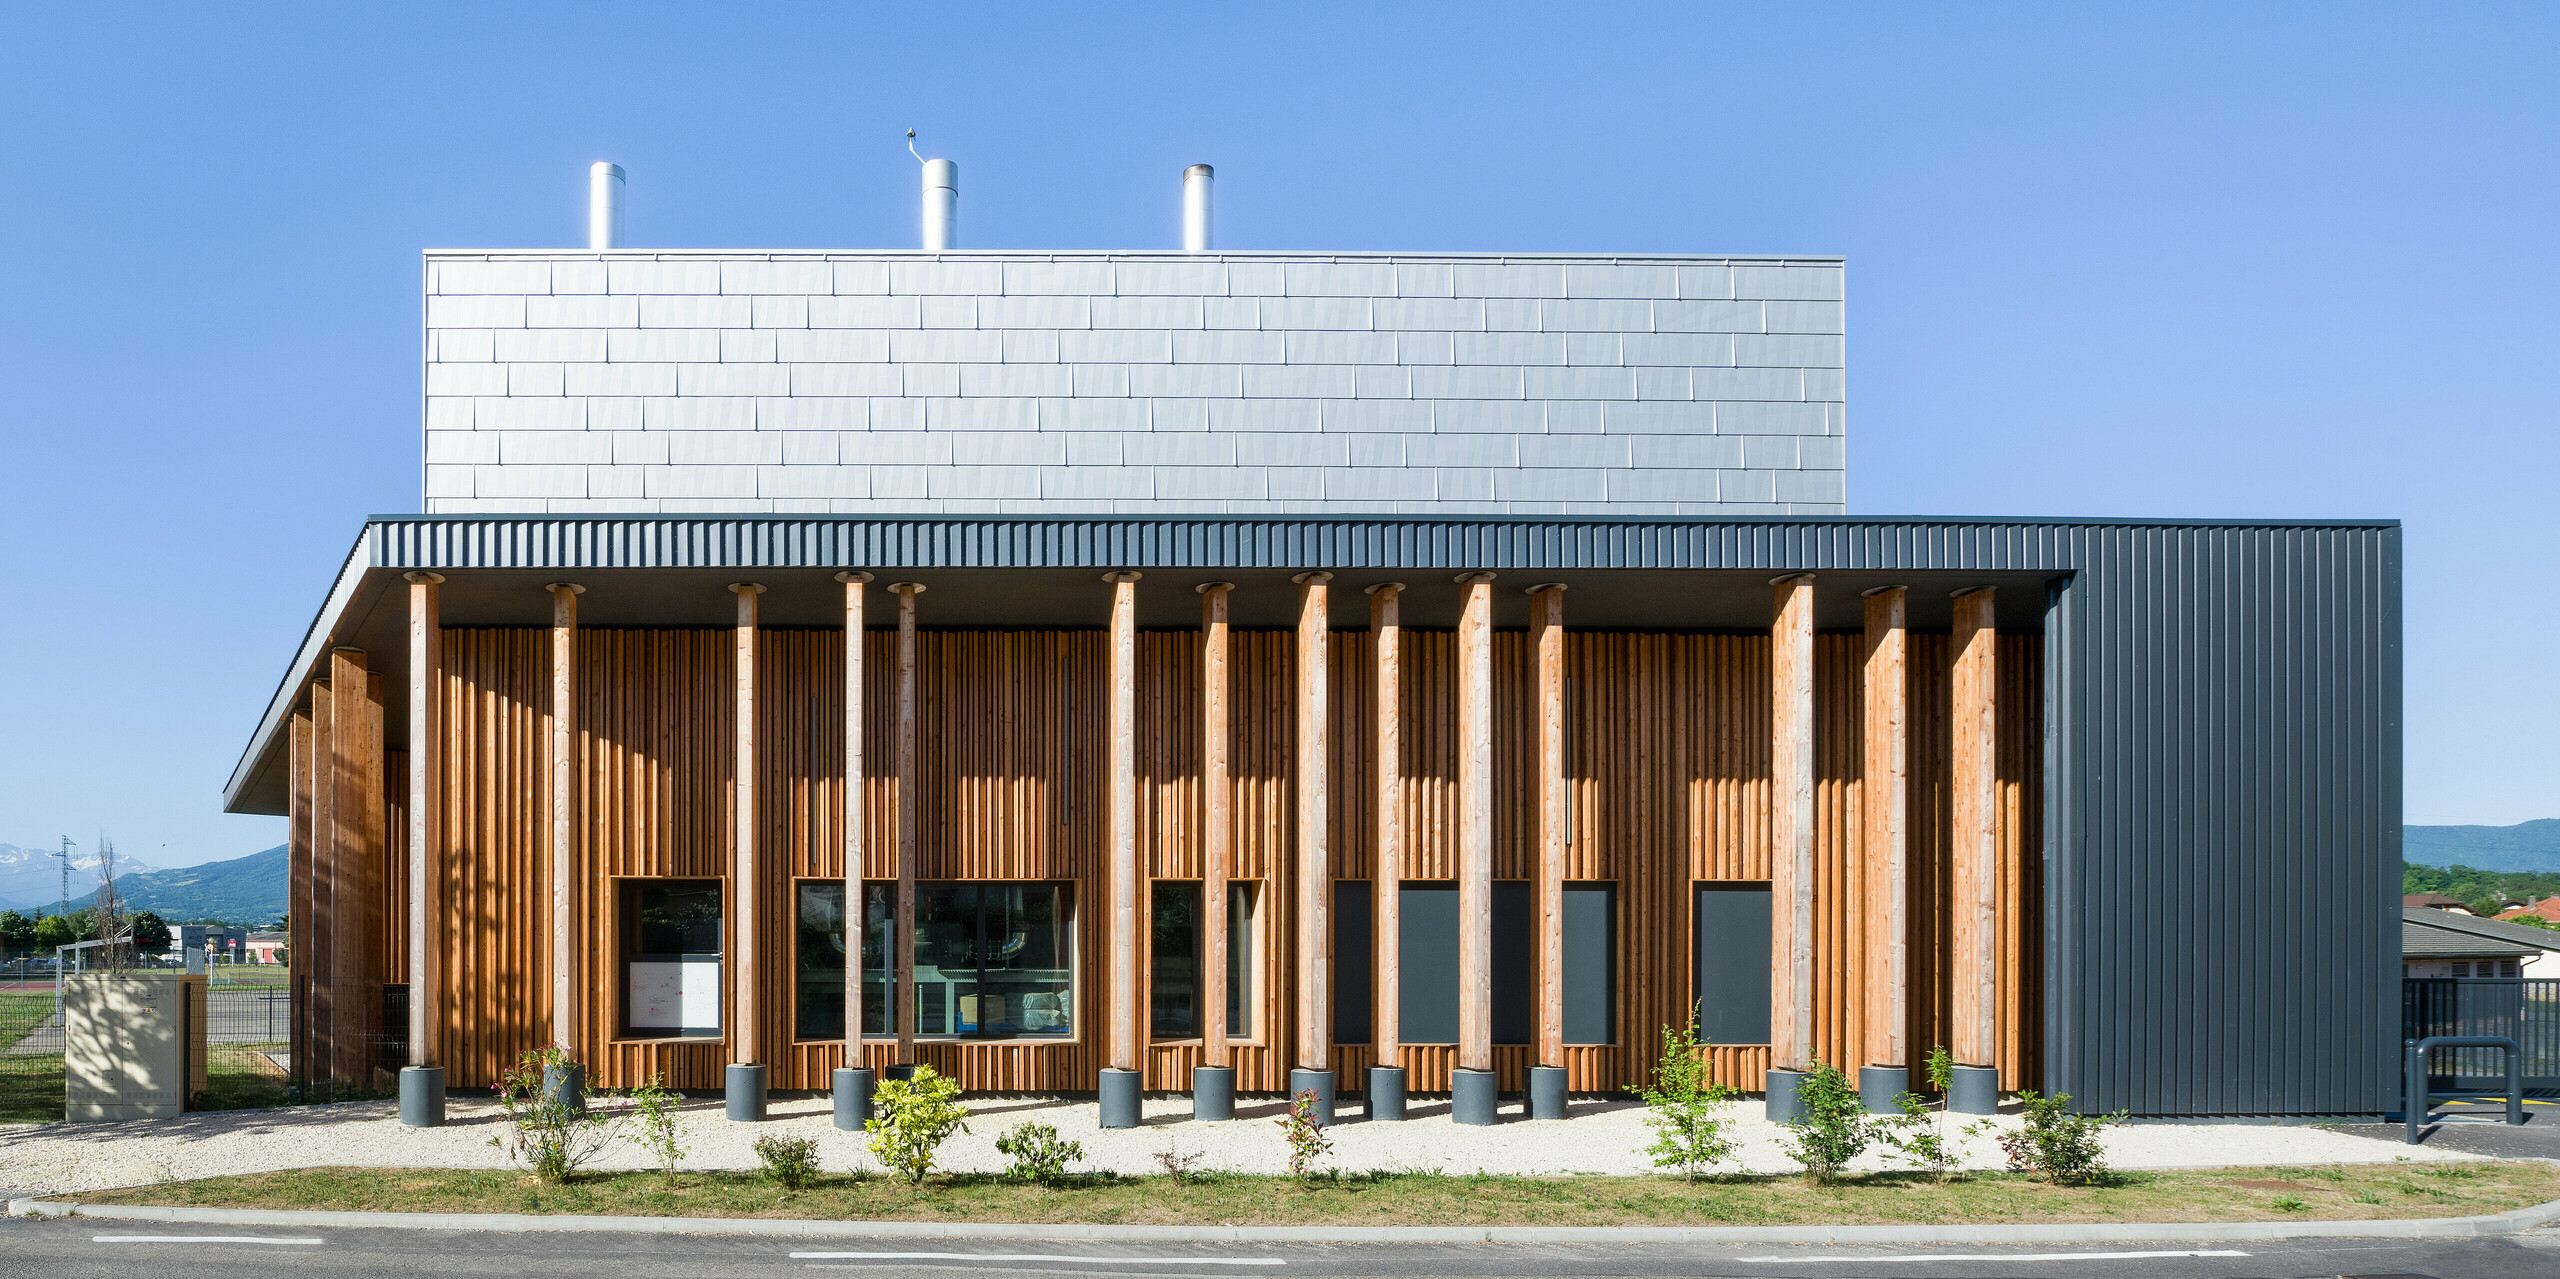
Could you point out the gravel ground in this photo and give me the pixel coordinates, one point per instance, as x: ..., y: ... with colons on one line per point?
x: 1602, y: 1137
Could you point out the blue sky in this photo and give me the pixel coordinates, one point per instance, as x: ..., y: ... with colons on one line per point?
x: 2266, y: 260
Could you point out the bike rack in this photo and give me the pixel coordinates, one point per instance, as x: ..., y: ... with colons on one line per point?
x: 2414, y: 1098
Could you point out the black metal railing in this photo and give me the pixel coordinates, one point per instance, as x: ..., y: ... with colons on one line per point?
x: 2526, y: 1010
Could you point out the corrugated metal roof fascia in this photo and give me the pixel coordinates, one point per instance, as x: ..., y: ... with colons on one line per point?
x: 1125, y: 255
x: 967, y: 542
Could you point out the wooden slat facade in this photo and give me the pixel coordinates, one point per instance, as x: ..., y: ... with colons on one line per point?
x: 1668, y: 768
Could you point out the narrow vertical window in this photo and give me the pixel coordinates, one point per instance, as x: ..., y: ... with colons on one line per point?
x: 1241, y: 967
x: 818, y: 961
x: 1173, y: 961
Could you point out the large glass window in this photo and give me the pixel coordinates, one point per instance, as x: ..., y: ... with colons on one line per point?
x: 994, y: 960
x: 1175, y: 942
x: 670, y: 958
x: 818, y: 961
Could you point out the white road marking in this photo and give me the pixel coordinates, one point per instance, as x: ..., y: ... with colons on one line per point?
x: 1037, y: 1256
x: 308, y: 1243
x: 2007, y: 1256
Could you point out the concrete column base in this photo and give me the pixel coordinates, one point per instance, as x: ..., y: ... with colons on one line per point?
x: 852, y: 1091
x: 1546, y: 1092
x: 1121, y: 1090
x: 1881, y: 1087
x: 566, y: 1085
x: 422, y: 1097
x: 1213, y: 1093
x: 1386, y: 1093
x: 746, y: 1093
x: 1974, y: 1090
x: 1473, y: 1096
x: 1784, y: 1108
x: 901, y: 1073
x: 1319, y: 1082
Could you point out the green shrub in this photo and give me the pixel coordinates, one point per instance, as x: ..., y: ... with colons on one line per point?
x: 790, y: 1162
x: 1682, y: 1104
x: 1834, y: 1128
x: 911, y: 1118
x: 2057, y: 1144
x: 1307, y: 1139
x: 549, y: 1136
x: 1919, y: 1134
x: 653, y: 1113
x: 1037, y: 1154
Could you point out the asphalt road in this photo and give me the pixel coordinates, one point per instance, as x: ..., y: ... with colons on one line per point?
x: 72, y: 1247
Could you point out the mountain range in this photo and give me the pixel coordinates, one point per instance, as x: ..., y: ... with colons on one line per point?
x: 2525, y: 846
x: 245, y: 891
x: 31, y: 878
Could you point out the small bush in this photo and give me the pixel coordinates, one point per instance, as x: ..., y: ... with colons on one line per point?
x: 911, y: 1118
x: 550, y: 1137
x: 1682, y: 1106
x: 2056, y: 1144
x: 1919, y: 1134
x: 1834, y: 1129
x: 1307, y: 1139
x: 1037, y: 1153
x: 653, y: 1112
x: 1178, y: 1163
x: 790, y: 1162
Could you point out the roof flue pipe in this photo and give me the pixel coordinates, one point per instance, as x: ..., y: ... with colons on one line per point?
x: 941, y: 205
x: 604, y: 205
x: 1195, y: 208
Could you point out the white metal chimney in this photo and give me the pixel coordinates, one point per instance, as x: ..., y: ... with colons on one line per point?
x: 1195, y: 208
x: 941, y: 205
x: 604, y: 205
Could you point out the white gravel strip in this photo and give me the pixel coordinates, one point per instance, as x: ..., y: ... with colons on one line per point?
x: 1602, y: 1137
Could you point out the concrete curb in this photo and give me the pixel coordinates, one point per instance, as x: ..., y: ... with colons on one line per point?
x: 2505, y: 1223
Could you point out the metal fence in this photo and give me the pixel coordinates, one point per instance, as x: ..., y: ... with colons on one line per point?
x: 2524, y: 1010
x: 271, y: 1039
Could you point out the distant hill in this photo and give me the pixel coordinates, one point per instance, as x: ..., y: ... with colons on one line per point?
x: 30, y: 878
x: 2523, y: 847
x: 246, y: 891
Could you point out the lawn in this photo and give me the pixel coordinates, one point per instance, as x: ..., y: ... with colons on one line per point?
x: 2330, y: 1193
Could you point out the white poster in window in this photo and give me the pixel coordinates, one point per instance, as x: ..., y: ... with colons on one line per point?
x: 675, y: 994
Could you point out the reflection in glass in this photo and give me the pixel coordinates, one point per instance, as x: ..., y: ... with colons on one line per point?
x: 1173, y: 941
x: 992, y: 960
x: 819, y: 970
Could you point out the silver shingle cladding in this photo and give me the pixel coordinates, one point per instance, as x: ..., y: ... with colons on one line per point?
x: 1012, y: 383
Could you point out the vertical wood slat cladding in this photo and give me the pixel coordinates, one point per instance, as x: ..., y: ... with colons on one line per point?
x: 1668, y: 764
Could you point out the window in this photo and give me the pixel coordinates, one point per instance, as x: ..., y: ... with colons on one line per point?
x: 994, y: 961
x: 817, y: 969
x: 1427, y: 959
x: 670, y: 958
x: 1175, y: 941
x: 1732, y: 947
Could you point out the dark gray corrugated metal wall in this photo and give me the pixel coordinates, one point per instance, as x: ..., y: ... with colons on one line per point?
x: 2223, y: 738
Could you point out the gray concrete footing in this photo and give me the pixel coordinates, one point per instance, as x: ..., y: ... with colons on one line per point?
x: 1881, y: 1087
x: 1121, y: 1091
x: 900, y: 1073
x: 852, y: 1095
x: 1213, y: 1093
x: 1385, y: 1093
x: 1473, y: 1096
x: 1546, y: 1092
x: 1319, y: 1082
x: 1784, y: 1106
x: 422, y: 1096
x: 566, y: 1084
x: 746, y: 1093
x: 1974, y: 1090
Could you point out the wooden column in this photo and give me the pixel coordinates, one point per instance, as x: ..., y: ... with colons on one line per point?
x: 1546, y: 627
x: 1217, y: 834
x: 1884, y: 817
x: 857, y: 809
x: 1475, y: 824
x: 1386, y: 923
x: 299, y: 873
x: 1791, y: 825
x: 563, y: 842
x: 354, y: 775
x: 1122, y: 976
x: 426, y: 816
x: 318, y: 960
x: 1314, y: 869
x: 1973, y: 774
x: 745, y: 1036
x: 902, y: 976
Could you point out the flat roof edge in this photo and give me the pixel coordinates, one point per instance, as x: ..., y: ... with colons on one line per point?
x: 1486, y: 521
x: 1170, y: 255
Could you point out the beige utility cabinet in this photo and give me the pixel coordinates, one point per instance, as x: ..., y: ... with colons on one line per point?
x: 133, y: 1045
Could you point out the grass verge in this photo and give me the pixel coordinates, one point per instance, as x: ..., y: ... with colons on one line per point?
x: 2328, y: 1193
